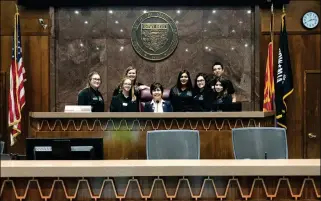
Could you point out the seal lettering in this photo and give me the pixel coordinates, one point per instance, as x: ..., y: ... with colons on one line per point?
x: 154, y: 36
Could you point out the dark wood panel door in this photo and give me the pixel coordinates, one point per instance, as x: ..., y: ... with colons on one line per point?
x: 312, y: 118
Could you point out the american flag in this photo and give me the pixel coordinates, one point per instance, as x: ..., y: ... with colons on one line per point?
x: 17, y: 78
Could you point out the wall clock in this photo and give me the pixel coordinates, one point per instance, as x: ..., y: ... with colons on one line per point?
x: 310, y: 20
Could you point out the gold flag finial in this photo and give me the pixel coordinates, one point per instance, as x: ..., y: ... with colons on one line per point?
x: 283, y: 9
x: 17, y: 10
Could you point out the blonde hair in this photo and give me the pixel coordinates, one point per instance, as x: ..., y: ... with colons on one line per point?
x: 121, y: 84
x: 129, y: 68
x: 89, y: 77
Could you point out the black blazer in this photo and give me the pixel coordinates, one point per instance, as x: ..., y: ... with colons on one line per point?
x: 149, y: 107
x: 121, y: 104
x: 89, y: 96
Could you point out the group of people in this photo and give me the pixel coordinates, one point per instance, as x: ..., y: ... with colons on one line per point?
x: 208, y: 90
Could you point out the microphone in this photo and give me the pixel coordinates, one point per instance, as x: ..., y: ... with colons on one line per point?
x: 157, y: 105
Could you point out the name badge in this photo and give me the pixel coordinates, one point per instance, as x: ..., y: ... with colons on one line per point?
x: 125, y: 104
x: 95, y: 98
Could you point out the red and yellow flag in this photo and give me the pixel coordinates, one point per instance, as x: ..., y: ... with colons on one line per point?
x: 269, y: 81
x: 269, y: 91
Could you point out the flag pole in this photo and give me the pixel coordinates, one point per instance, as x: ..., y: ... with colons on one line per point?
x: 15, y: 66
x: 272, y: 41
x: 15, y: 36
x: 272, y: 23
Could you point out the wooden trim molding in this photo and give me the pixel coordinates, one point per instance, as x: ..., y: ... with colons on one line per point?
x: 122, y: 168
x: 137, y: 115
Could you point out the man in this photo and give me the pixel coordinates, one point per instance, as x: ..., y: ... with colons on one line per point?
x: 218, y: 71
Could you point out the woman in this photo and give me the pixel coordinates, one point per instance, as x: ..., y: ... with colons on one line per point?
x: 201, y: 94
x: 124, y: 102
x: 157, y: 105
x: 91, y: 95
x: 131, y: 73
x: 181, y: 95
x: 221, y: 96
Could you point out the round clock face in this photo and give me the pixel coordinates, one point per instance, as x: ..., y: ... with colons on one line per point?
x: 310, y: 20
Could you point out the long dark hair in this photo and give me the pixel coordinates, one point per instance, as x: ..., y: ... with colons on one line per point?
x: 223, y: 82
x: 189, y: 85
x: 196, y: 89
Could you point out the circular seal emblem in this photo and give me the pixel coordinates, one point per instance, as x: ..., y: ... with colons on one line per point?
x: 154, y: 36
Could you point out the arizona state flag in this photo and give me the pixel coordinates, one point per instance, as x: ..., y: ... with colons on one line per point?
x: 284, y: 80
x: 268, y: 101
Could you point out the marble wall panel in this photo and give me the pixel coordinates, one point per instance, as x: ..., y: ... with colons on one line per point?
x: 100, y: 39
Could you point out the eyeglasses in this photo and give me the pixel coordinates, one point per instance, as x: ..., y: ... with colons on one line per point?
x: 96, y: 79
x: 200, y: 80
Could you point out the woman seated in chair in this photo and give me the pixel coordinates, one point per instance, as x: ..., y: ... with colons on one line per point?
x: 157, y: 105
x: 124, y: 101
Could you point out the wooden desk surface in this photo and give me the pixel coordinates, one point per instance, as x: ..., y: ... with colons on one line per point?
x: 118, y: 168
x: 245, y: 114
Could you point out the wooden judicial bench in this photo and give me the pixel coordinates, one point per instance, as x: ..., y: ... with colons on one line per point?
x: 293, y: 179
x: 124, y: 134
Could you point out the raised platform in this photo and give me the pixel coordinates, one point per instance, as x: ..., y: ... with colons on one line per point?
x: 125, y: 133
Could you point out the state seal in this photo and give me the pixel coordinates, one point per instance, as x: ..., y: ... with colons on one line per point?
x: 154, y: 36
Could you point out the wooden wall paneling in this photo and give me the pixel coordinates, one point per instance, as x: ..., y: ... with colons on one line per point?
x: 0, y: 39
x: 29, y: 20
x: 304, y: 49
x: 6, y: 46
x: 36, y: 61
x: 3, y: 104
x: 35, y: 47
x: 305, y: 55
x: 294, y: 13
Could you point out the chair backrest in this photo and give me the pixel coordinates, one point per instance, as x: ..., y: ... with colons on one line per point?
x: 1, y: 147
x: 260, y: 143
x: 173, y: 144
x: 145, y: 95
